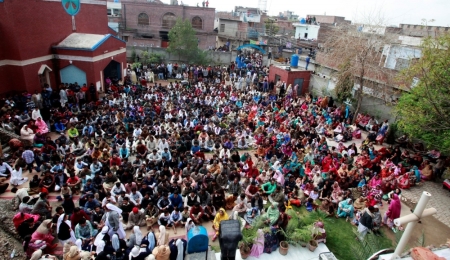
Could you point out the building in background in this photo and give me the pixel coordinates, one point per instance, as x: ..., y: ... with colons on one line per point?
x: 287, y: 15
x: 114, y: 12
x: 420, y: 30
x: 242, y: 26
x: 147, y: 23
x: 66, y: 44
x: 308, y: 32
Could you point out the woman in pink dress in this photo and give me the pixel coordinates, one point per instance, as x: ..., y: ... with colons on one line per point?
x: 258, y: 246
x: 41, y: 125
x: 393, y: 211
x: 44, y: 233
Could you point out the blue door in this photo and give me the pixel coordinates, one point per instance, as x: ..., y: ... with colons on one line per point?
x: 72, y: 74
x: 300, y: 86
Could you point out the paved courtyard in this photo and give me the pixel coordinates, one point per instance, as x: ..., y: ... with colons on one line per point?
x: 440, y: 199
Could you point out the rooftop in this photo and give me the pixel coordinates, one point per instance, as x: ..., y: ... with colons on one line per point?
x: 83, y: 41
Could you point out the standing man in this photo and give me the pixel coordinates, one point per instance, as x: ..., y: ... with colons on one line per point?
x: 308, y: 59
x: 112, y: 220
x: 93, y: 92
x: 28, y: 156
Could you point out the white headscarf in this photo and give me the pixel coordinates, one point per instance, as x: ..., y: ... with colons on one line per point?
x: 113, y: 208
x: 79, y: 243
x: 188, y: 225
x: 180, y: 249
x: 138, y: 235
x: 98, y: 242
x: 162, y: 235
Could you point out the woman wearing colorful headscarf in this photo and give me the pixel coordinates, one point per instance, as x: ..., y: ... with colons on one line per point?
x: 43, y: 232
x: 345, y: 209
x: 220, y: 216
x: 393, y: 212
x: 73, y: 254
x: 272, y: 214
x: 161, y: 252
x: 151, y: 238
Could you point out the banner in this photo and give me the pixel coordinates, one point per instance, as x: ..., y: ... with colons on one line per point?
x: 258, y: 42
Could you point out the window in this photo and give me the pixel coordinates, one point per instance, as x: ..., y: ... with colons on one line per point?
x: 108, y: 11
x: 169, y: 20
x: 143, y: 19
x: 415, y: 26
x: 125, y: 38
x: 197, y: 23
x: 401, y: 64
x: 116, y: 12
x: 222, y: 27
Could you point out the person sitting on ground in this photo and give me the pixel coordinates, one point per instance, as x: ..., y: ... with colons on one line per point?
x: 220, y: 216
x: 196, y: 213
x: 136, y: 218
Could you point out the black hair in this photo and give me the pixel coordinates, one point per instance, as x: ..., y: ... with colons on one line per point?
x: 25, y: 199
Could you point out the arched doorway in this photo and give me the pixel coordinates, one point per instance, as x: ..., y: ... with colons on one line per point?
x: 113, y: 71
x: 72, y: 74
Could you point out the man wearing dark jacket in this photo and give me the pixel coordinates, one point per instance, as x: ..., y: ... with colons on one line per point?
x: 365, y: 222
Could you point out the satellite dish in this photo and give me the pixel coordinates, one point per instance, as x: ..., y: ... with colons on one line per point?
x: 72, y: 7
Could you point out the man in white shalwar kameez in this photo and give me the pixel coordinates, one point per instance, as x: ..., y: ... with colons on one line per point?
x: 112, y: 221
x: 16, y: 177
x: 63, y: 97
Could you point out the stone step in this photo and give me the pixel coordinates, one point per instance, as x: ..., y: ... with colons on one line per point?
x: 202, y: 255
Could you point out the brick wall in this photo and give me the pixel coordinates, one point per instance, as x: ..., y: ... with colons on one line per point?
x: 26, y: 34
x: 156, y: 11
x: 290, y: 76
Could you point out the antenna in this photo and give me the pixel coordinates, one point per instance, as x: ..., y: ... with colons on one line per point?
x: 262, y: 5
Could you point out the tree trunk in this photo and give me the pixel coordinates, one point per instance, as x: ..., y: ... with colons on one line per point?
x: 359, y: 97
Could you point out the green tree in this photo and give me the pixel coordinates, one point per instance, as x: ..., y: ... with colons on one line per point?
x: 271, y: 27
x: 148, y: 58
x: 344, y: 84
x: 133, y: 54
x: 424, y: 112
x: 359, y: 52
x: 182, y: 40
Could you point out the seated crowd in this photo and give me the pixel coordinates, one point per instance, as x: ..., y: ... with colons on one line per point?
x: 168, y: 156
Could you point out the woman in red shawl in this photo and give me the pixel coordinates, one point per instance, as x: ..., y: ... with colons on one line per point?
x: 393, y: 212
x: 21, y: 217
x: 326, y: 163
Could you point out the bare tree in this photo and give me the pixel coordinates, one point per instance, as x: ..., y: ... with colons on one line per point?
x: 355, y: 51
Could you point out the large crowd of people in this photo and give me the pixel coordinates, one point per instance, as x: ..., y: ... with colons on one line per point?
x: 165, y: 155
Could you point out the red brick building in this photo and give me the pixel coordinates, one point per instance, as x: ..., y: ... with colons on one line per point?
x: 147, y: 23
x: 292, y: 76
x: 47, y: 47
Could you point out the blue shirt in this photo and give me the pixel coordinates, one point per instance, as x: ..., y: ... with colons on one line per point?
x: 195, y: 148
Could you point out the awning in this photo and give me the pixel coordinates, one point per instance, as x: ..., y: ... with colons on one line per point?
x: 42, y: 69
